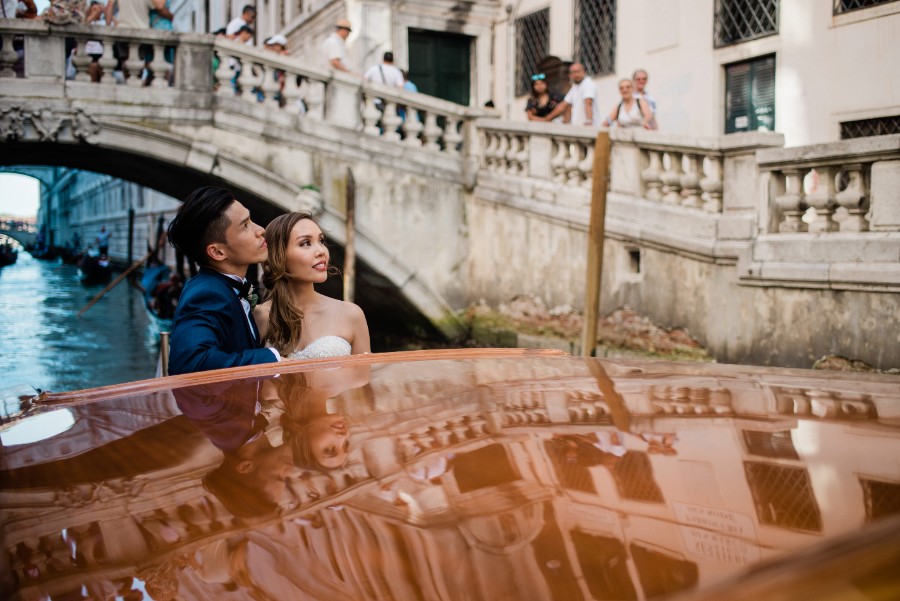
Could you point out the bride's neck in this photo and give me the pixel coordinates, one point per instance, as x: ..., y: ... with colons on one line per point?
x: 304, y: 295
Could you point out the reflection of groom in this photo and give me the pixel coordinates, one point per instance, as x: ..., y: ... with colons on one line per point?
x: 212, y: 327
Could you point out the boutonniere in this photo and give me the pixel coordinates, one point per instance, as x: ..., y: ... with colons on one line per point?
x: 252, y: 297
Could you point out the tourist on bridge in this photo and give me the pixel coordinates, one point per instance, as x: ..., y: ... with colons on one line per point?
x: 542, y: 101
x: 386, y: 73
x: 335, y: 47
x: 212, y: 328
x: 247, y: 18
x: 639, y: 77
x: 579, y: 107
x: 631, y: 110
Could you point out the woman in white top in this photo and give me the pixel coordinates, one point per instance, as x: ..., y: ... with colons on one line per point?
x: 297, y: 321
x: 631, y: 111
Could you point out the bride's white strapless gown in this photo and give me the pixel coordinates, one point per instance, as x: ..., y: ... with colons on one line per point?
x: 320, y: 348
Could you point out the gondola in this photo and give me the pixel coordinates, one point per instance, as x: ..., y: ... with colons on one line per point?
x: 95, y: 270
x: 8, y: 255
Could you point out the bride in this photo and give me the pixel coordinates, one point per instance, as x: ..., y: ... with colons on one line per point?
x: 297, y: 321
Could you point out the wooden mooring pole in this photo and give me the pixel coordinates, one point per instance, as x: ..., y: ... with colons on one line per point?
x: 596, y: 234
x: 349, y: 247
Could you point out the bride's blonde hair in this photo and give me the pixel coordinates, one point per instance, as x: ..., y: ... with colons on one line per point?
x: 285, y: 317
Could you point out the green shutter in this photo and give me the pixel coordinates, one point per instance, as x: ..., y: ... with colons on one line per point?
x: 750, y: 95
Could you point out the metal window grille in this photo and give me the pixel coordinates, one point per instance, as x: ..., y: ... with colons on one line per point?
x: 845, y: 6
x: 783, y: 496
x: 880, y: 126
x: 572, y: 475
x: 742, y: 20
x: 532, y: 45
x: 595, y: 36
x: 882, y: 498
x: 634, y: 478
x: 778, y: 445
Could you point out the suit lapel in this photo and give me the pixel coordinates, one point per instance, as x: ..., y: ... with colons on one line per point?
x: 249, y: 326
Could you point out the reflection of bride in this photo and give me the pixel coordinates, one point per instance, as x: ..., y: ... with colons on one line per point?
x: 297, y: 321
x: 318, y: 435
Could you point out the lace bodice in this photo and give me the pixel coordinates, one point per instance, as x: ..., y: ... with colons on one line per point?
x: 326, y: 346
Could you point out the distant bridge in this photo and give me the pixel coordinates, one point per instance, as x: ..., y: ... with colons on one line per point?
x: 24, y: 237
x: 766, y: 254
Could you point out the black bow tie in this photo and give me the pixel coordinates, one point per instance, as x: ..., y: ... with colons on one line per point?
x: 243, y: 289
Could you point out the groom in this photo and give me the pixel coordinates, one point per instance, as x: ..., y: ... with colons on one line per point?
x: 212, y: 327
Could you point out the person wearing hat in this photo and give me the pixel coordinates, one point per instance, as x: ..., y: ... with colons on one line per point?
x: 335, y: 47
x: 276, y: 43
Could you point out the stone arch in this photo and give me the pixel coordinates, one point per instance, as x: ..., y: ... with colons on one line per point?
x: 136, y: 153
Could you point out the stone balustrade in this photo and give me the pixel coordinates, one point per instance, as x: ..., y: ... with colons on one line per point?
x: 253, y: 75
x: 847, y: 186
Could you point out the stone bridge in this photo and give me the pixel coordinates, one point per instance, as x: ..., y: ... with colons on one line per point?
x: 766, y: 254
x: 24, y: 237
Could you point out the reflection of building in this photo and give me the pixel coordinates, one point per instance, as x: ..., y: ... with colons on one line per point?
x: 715, y: 67
x: 458, y: 487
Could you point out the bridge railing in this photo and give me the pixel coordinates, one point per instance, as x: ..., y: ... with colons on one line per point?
x: 186, y: 62
x: 847, y: 186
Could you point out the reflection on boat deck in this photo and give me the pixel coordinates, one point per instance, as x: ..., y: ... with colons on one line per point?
x: 481, y: 474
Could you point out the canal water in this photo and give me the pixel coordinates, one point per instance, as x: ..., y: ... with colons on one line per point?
x: 47, y: 347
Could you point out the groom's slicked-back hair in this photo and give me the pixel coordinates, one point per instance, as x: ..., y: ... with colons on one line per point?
x: 201, y: 221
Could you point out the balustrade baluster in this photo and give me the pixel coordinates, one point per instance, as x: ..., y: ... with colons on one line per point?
x: 522, y: 156
x: 412, y: 127
x: 571, y: 165
x: 651, y: 176
x: 390, y: 121
x: 512, y: 152
x: 502, y: 148
x: 792, y: 201
x: 431, y: 133
x: 671, y: 178
x: 490, y: 148
x: 108, y: 64
x: 247, y: 80
x: 133, y: 65
x: 712, y: 184
x: 160, y: 67
x: 854, y: 198
x: 291, y: 94
x: 314, y: 97
x: 370, y: 116
x: 224, y: 74
x: 690, y: 182
x: 8, y: 56
x: 271, y: 86
x: 452, y: 137
x: 81, y: 61
x: 558, y: 162
x: 586, y: 167
x: 822, y: 200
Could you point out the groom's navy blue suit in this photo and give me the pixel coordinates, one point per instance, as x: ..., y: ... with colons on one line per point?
x: 210, y: 329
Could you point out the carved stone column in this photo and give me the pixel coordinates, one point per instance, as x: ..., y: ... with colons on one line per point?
x: 671, y: 178
x: 854, y: 198
x: 431, y: 133
x: 792, y: 202
x: 651, y: 176
x: 822, y: 200
x: 690, y: 181
x: 712, y: 184
x: 390, y: 121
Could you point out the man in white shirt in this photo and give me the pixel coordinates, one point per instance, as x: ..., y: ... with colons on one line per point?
x: 248, y: 16
x: 335, y: 47
x: 385, y: 73
x: 581, y: 99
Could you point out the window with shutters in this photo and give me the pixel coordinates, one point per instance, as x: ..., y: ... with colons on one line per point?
x: 595, y: 35
x: 532, y: 45
x: 863, y: 128
x: 750, y: 95
x: 845, y: 6
x: 736, y: 21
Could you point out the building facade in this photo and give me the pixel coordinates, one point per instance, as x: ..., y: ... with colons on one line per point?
x: 817, y: 71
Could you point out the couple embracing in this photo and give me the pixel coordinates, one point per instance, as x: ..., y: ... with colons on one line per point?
x: 215, y: 324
